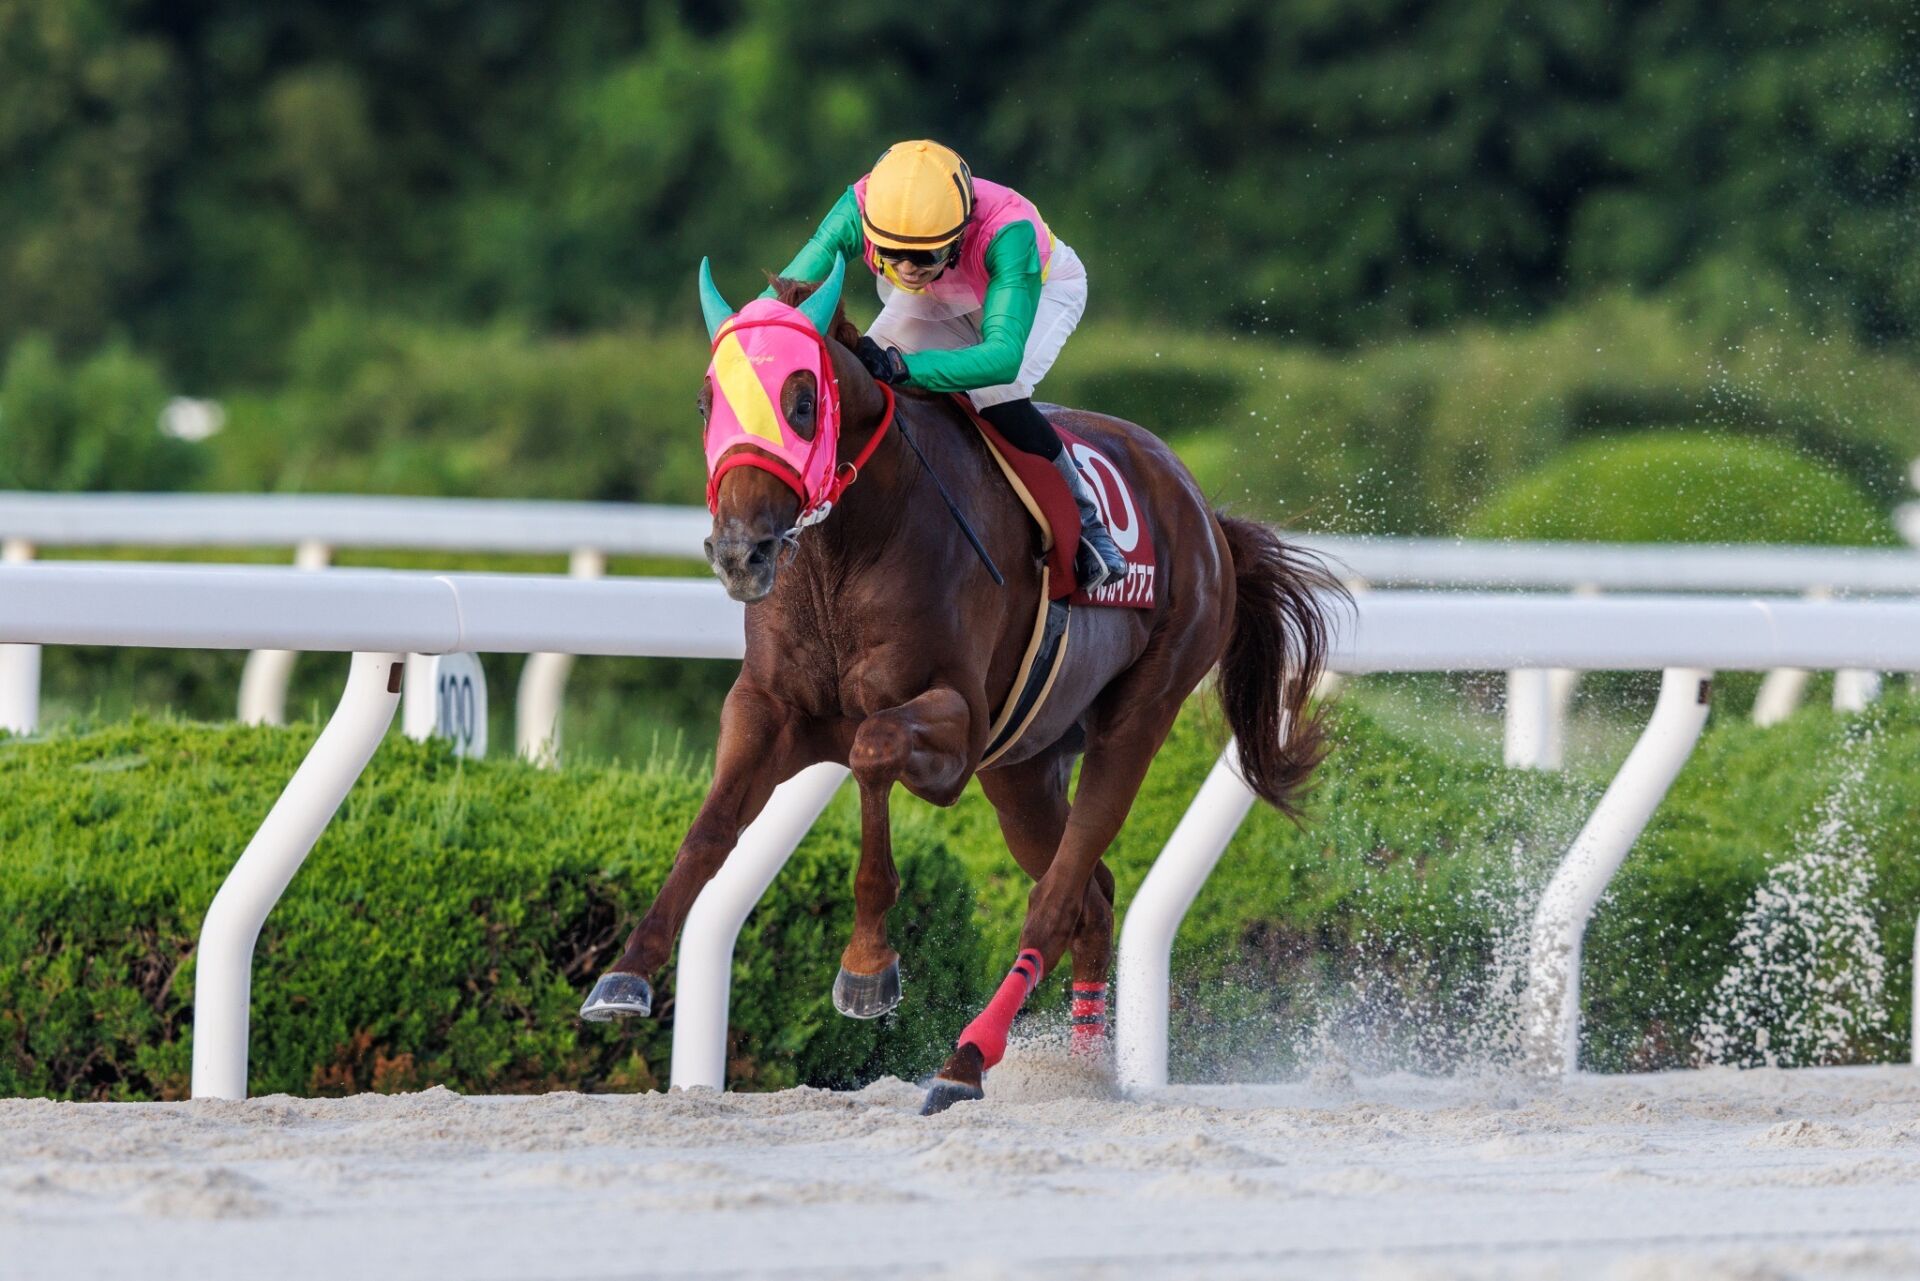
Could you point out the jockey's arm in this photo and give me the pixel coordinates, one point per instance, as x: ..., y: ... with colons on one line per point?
x: 839, y: 233
x: 1006, y: 319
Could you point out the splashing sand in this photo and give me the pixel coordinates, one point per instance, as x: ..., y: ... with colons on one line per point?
x: 1712, y: 1173
x: 1809, y: 986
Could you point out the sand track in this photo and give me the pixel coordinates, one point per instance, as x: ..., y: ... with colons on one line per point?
x: 1708, y: 1174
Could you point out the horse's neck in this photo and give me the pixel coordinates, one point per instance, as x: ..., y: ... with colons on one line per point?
x: 894, y: 508
x: 890, y: 564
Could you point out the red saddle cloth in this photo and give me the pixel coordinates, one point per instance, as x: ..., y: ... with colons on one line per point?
x: 1046, y: 490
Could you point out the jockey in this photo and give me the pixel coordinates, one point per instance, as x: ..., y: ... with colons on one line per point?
x: 979, y: 297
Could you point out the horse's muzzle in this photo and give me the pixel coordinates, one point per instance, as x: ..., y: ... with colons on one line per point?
x: 744, y: 564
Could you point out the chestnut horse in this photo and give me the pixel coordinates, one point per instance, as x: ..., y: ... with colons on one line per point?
x: 877, y: 639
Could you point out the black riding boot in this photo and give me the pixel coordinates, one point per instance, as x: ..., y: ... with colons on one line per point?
x: 1098, y: 562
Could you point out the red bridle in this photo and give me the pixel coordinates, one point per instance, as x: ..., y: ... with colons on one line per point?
x: 817, y: 500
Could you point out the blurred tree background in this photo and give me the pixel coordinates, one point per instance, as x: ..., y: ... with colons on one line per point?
x: 200, y: 176
x: 415, y: 243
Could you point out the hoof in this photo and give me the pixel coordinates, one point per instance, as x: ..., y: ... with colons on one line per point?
x: 867, y: 996
x: 618, y: 996
x: 945, y: 1094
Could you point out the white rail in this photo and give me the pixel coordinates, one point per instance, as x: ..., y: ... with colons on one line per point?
x: 378, y: 615
x: 638, y: 529
x: 1623, y: 567
x: 316, y: 524
x: 343, y: 520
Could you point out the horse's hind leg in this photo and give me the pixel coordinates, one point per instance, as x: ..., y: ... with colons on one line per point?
x: 1030, y: 800
x: 1092, y: 958
x: 1118, y: 755
x: 922, y: 743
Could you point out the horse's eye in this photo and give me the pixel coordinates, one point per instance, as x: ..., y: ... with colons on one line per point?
x: 704, y: 401
x: 803, y: 409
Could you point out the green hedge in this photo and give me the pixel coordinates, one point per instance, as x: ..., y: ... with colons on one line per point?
x: 1395, y: 921
x: 1402, y: 437
x: 443, y: 930
x: 91, y: 424
x: 1405, y: 436
x: 1681, y: 487
x: 373, y: 404
x: 617, y: 709
x: 445, y: 926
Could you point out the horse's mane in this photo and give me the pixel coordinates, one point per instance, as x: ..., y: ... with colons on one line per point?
x: 791, y: 292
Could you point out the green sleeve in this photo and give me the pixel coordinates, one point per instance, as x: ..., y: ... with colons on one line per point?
x: 839, y: 232
x: 1013, y: 297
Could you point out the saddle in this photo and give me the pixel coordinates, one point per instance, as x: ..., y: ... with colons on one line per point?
x: 1043, y: 492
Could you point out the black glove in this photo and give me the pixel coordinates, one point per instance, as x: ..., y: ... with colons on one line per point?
x: 886, y: 364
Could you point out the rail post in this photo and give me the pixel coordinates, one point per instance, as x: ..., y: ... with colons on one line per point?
x: 1783, y: 689
x: 1143, y: 976
x: 1854, y: 689
x: 1552, y: 1002
x: 224, y: 966
x: 543, y: 682
x: 1780, y: 695
x: 704, y: 978
x: 1538, y: 702
x: 263, y: 681
x: 19, y: 664
x: 1532, y: 738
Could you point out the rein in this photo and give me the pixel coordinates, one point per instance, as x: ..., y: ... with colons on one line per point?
x: 993, y: 570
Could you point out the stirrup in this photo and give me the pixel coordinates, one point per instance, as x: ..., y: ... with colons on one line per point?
x: 1088, y: 569
x: 1092, y: 569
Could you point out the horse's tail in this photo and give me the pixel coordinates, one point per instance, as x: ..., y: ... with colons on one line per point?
x: 1283, y: 597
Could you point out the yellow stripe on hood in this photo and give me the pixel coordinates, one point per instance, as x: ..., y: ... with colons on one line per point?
x: 742, y: 389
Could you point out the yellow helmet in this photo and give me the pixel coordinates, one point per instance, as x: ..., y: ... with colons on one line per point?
x: 919, y: 196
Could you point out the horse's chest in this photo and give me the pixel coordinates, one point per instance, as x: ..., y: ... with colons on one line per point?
x: 847, y: 671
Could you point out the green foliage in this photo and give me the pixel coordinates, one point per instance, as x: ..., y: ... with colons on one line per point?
x: 1396, y: 919
x: 89, y: 426
x: 92, y: 121
x: 1750, y: 798
x: 207, y: 175
x: 444, y: 927
x: 1400, y: 438
x: 383, y: 406
x: 442, y: 931
x: 1406, y: 436
x: 1673, y: 487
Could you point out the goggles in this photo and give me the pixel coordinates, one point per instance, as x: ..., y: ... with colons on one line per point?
x: 917, y: 257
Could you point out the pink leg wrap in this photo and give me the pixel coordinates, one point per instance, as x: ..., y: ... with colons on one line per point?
x: 988, y: 1032
x: 1089, y: 1017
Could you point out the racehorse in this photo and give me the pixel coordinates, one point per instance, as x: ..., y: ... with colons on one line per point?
x: 876, y: 639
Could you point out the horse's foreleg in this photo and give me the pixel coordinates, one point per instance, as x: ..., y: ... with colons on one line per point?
x: 1116, y: 764
x: 922, y: 743
x: 759, y: 748
x: 1030, y: 800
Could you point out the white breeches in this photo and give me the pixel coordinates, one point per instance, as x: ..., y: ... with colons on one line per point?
x: 903, y: 323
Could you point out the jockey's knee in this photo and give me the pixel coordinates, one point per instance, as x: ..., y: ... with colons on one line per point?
x: 1024, y: 426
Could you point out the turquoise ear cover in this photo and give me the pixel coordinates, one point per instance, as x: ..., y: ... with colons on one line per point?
x: 712, y: 306
x: 819, y: 306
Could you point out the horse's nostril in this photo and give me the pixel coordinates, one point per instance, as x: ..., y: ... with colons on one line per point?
x: 763, y: 551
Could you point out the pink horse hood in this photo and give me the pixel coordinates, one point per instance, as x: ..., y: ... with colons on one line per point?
x: 753, y: 356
